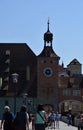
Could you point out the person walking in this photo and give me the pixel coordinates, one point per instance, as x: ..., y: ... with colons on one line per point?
x: 52, y: 119
x: 22, y: 118
x: 33, y: 122
x: 40, y: 118
x: 80, y: 124
x: 57, y: 119
x: 73, y: 119
x: 7, y: 118
x: 69, y: 118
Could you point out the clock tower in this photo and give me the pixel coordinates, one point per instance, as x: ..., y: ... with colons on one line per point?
x: 47, y: 72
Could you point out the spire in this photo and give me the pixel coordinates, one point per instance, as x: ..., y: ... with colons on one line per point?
x: 62, y: 64
x: 48, y: 36
x: 48, y: 25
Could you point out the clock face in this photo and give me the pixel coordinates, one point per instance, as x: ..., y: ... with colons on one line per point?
x: 48, y: 72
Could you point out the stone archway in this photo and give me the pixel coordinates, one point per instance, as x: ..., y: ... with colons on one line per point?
x: 48, y: 107
x: 73, y: 105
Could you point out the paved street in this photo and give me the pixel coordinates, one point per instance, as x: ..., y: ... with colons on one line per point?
x: 63, y: 126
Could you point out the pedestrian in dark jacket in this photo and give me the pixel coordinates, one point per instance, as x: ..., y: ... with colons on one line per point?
x: 69, y: 119
x: 80, y: 125
x: 22, y: 118
x: 7, y: 118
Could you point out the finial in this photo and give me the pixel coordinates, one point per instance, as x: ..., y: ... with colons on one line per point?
x: 48, y: 36
x: 48, y: 24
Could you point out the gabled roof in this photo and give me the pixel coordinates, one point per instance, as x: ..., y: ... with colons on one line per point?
x: 74, y: 62
x: 21, y: 59
x: 48, y: 52
x: 18, y: 52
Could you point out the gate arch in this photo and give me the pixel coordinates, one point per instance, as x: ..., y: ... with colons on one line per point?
x: 74, y: 105
x: 48, y: 107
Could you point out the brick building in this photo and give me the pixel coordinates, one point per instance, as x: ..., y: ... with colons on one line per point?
x: 41, y: 77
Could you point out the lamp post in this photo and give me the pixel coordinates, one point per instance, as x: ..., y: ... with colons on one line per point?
x: 15, y: 80
x: 25, y: 97
x: 29, y: 105
x: 82, y: 103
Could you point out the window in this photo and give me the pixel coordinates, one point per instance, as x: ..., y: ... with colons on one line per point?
x: 52, y: 62
x: 27, y: 73
x: 47, y: 53
x: 43, y: 61
x: 0, y: 82
x: 7, y: 52
x: 76, y: 93
x: 66, y: 92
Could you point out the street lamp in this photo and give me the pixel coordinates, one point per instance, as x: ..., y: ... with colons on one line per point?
x: 25, y: 96
x: 29, y: 105
x: 15, y: 80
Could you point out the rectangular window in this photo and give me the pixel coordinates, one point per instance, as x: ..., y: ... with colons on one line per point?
x: 7, y: 52
x: 66, y: 92
x: 0, y: 82
x: 27, y: 73
x: 76, y: 93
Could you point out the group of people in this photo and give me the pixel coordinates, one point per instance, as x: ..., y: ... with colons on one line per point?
x: 44, y: 119
x: 21, y: 120
x: 18, y: 121
x: 53, y: 119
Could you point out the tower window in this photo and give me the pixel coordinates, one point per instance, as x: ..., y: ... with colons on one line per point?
x: 43, y: 61
x: 52, y: 62
x: 47, y: 53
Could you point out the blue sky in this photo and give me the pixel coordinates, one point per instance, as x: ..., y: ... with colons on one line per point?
x: 25, y: 21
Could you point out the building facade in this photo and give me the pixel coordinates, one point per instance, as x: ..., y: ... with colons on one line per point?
x: 47, y: 72
x: 41, y: 79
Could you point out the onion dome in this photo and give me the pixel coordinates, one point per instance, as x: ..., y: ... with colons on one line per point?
x: 48, y: 36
